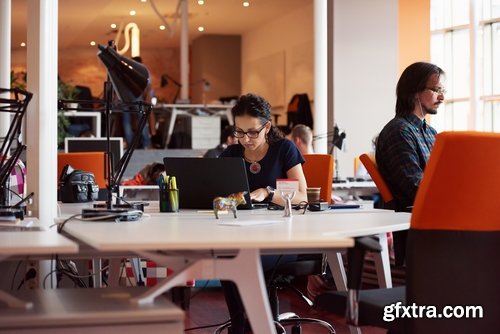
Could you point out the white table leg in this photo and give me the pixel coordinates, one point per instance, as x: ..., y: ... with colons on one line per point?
x: 114, y: 272
x: 171, y: 125
x: 338, y: 271
x: 97, y: 277
x: 250, y: 281
x: 382, y: 263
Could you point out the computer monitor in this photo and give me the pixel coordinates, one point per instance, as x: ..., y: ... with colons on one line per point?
x: 91, y: 144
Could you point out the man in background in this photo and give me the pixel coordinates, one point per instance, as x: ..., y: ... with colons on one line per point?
x: 405, y: 143
x: 302, y: 136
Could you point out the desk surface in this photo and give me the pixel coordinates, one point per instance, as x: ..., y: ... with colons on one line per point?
x: 191, y: 230
x: 35, y: 243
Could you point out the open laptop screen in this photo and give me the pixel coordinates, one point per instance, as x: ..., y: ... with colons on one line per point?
x: 200, y: 180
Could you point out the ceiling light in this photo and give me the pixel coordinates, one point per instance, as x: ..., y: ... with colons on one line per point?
x: 92, y: 43
x: 132, y: 12
x: 200, y: 28
x: 201, y: 2
x: 246, y: 3
x: 144, y: 0
x: 23, y: 44
x: 162, y: 27
x: 113, y: 25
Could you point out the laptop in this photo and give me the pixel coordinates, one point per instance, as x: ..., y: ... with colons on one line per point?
x: 200, y: 180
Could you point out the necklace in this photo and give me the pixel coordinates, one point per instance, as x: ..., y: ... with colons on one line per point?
x: 255, y: 166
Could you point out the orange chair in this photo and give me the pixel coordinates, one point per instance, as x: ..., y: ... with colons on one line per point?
x: 94, y: 162
x: 453, y: 242
x: 318, y: 170
x: 368, y: 160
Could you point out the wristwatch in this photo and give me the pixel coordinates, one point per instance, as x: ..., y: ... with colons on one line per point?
x: 270, y: 193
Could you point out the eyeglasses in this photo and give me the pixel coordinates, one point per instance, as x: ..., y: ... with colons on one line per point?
x: 238, y: 133
x: 437, y: 90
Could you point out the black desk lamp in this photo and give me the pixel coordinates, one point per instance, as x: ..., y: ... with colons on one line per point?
x: 15, y: 104
x: 128, y: 79
x: 338, y: 138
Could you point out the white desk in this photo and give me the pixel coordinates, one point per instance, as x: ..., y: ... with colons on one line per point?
x: 183, y: 109
x: 354, y: 189
x: 31, y: 243
x: 197, y: 236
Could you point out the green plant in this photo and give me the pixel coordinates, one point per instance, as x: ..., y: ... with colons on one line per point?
x: 18, y: 80
x: 66, y: 91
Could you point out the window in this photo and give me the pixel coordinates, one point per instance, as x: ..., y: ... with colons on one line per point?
x: 465, y: 42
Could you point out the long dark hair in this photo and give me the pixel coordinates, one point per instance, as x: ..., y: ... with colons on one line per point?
x: 413, y: 80
x: 256, y: 106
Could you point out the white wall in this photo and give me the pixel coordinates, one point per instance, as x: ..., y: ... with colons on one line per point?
x: 277, y: 58
x: 365, y: 72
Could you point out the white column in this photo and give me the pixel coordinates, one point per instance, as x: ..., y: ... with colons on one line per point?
x: 184, y: 52
x: 42, y: 112
x: 5, y: 46
x: 321, y: 89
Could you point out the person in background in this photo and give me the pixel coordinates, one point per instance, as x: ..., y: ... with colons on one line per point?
x: 148, y: 175
x: 127, y: 120
x: 226, y: 138
x: 302, y: 136
x: 268, y: 156
x: 405, y: 143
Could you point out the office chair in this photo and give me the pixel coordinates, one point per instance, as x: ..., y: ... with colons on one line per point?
x: 94, y: 162
x: 451, y: 243
x: 318, y: 170
x: 399, y: 238
x: 368, y: 160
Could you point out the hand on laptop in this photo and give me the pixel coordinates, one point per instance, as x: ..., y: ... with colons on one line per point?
x: 259, y: 195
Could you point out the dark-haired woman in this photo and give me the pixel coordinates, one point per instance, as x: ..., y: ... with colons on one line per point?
x: 268, y: 157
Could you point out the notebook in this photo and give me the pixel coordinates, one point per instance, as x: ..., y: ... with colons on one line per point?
x: 200, y: 180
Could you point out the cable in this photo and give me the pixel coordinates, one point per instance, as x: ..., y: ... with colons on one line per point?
x: 15, y: 274
x: 60, y: 226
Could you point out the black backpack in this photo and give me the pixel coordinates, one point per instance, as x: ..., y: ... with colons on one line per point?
x: 76, y: 186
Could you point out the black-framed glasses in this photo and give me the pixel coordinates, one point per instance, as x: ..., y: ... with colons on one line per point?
x: 437, y: 90
x: 252, y: 134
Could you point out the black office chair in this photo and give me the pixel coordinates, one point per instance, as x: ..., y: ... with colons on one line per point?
x: 451, y: 246
x: 281, y: 277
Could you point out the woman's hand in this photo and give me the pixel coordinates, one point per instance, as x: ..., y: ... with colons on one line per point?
x: 258, y: 195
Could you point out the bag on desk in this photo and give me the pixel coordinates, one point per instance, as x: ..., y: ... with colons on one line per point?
x: 76, y: 186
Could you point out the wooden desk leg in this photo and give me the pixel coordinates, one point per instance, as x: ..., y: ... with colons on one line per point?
x: 382, y: 263
x: 337, y: 268
x: 251, y: 283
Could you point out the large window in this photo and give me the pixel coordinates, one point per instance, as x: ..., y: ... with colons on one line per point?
x: 465, y: 42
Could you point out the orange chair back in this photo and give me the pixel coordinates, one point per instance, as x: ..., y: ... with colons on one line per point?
x: 88, y: 161
x: 368, y: 160
x: 318, y: 170
x: 460, y: 189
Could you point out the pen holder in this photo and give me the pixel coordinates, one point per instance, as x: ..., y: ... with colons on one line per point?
x: 169, y: 200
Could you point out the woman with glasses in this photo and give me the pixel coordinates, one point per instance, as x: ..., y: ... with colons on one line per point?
x: 268, y: 156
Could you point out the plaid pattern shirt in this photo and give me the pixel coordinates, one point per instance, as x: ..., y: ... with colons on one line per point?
x: 403, y: 148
